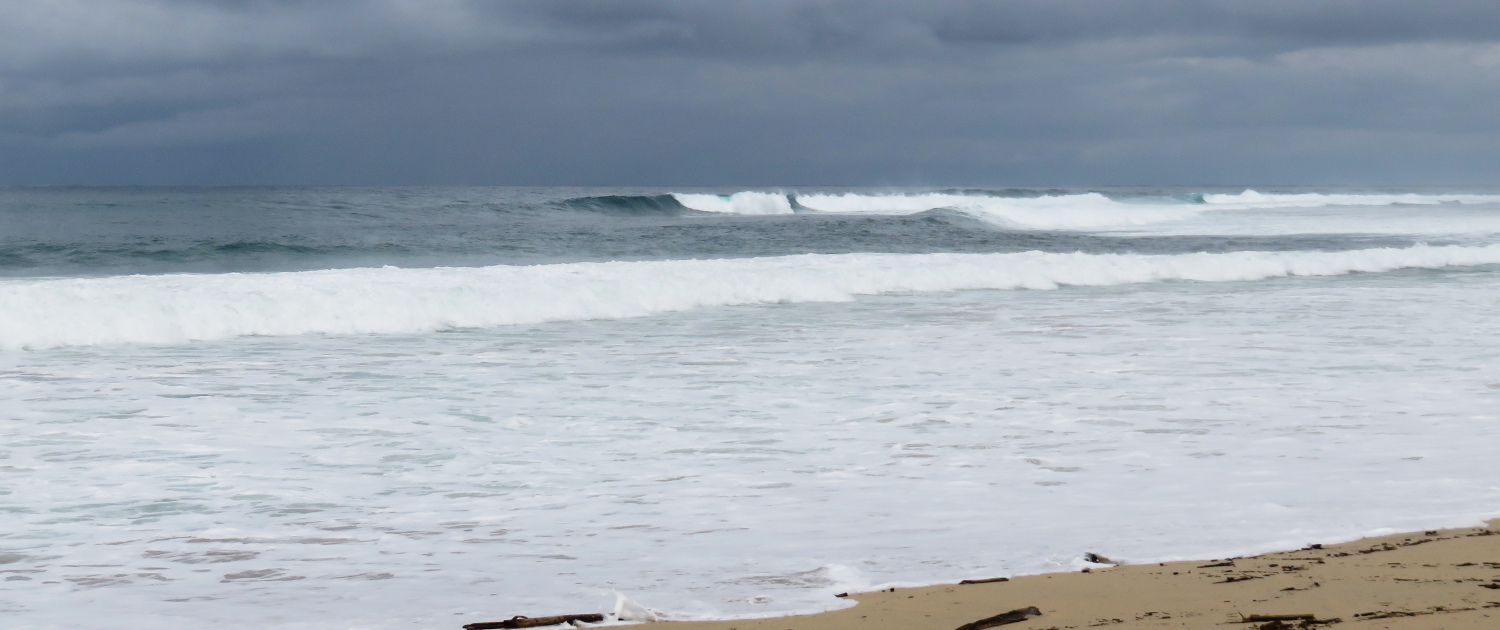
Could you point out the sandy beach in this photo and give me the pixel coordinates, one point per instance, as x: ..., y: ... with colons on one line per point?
x: 1447, y: 579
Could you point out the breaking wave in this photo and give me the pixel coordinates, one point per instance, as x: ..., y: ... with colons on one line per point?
x: 1250, y: 199
x: 738, y: 203
x: 1049, y: 210
x: 187, y: 307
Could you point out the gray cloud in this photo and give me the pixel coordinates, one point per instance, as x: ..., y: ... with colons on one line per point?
x: 769, y: 92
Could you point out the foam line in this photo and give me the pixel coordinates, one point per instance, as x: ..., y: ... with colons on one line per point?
x: 1059, y: 212
x: 186, y: 307
x: 1251, y: 199
x: 1054, y: 212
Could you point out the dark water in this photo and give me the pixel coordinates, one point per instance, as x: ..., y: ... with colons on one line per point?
x: 110, y: 231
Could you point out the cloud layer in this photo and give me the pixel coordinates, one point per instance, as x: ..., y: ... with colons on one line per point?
x: 748, y: 93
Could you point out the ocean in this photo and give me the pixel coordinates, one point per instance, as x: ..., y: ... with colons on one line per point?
x: 313, y: 408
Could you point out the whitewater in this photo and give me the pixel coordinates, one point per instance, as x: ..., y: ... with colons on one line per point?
x: 181, y: 308
x: 419, y: 408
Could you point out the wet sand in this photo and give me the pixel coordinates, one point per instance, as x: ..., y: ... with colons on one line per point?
x: 1448, y: 579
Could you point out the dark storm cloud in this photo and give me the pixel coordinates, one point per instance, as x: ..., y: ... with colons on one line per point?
x: 778, y: 28
x: 1271, y: 23
x: 767, y: 92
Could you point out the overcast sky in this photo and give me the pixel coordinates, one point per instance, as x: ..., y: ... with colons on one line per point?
x: 755, y: 93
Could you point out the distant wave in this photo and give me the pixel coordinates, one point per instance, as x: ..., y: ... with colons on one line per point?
x: 1049, y: 210
x: 24, y: 255
x: 187, y: 307
x: 1250, y: 199
x: 627, y: 204
x: 738, y: 203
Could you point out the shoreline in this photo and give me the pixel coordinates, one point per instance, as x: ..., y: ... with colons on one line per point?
x: 1436, y: 579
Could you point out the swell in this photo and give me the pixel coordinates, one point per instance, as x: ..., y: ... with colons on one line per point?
x: 627, y: 205
x: 1052, y: 209
x: 184, y: 308
x: 72, y: 257
x: 754, y: 202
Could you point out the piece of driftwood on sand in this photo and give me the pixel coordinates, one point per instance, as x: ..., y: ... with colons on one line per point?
x: 1015, y: 616
x: 520, y: 621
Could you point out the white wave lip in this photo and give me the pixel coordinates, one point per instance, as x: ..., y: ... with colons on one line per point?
x: 1055, y: 212
x: 1251, y: 199
x: 182, y: 308
x: 738, y: 203
x: 1088, y: 211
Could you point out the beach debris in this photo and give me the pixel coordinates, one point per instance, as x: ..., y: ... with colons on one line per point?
x: 1097, y: 559
x: 1490, y: 586
x: 985, y: 581
x: 841, y: 595
x: 1239, y: 578
x: 1386, y: 614
x: 1259, y: 618
x: 1226, y: 563
x: 1282, y: 625
x: 1435, y: 610
x: 1282, y: 622
x: 1015, y: 616
x: 1379, y: 548
x: 522, y: 621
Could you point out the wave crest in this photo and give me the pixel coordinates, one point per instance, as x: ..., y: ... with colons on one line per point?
x: 1251, y: 199
x: 184, y: 308
x: 1051, y: 210
x: 738, y: 203
x: 626, y: 204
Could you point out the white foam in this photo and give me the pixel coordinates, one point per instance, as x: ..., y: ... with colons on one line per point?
x: 1252, y: 199
x: 1059, y: 212
x: 737, y: 462
x: 1089, y: 211
x: 183, y: 308
x: 737, y: 203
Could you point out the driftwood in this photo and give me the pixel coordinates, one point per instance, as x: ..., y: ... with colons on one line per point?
x: 1257, y: 618
x: 521, y: 621
x: 1280, y: 622
x: 984, y: 581
x: 1015, y: 616
x: 1301, y: 625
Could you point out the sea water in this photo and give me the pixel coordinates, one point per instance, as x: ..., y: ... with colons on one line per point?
x: 419, y: 408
